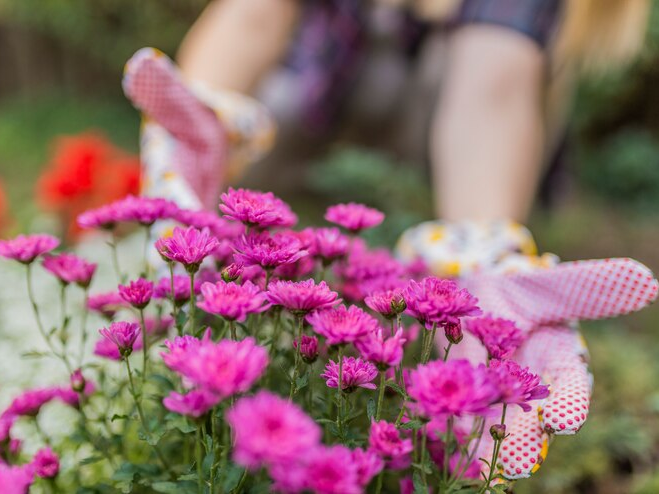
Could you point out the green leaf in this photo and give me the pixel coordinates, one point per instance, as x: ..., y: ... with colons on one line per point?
x: 184, y: 487
x: 34, y: 354
x: 396, y: 388
x: 417, y: 482
x: 233, y: 475
x: 302, y: 382
x: 370, y: 408
x: 90, y: 460
x: 412, y: 425
x: 181, y: 319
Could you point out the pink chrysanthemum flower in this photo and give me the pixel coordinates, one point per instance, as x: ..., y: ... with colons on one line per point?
x: 45, y: 463
x: 367, y: 271
x: 106, y: 304
x: 123, y: 335
x: 499, y: 336
x: 389, y: 303
x: 270, y: 430
x: 383, y: 352
x: 231, y: 301
x: 256, y: 209
x: 517, y: 385
x: 16, y: 479
x: 354, y: 217
x: 328, y: 244
x: 29, y: 402
x: 454, y: 387
x: 385, y: 440
x: 268, y: 251
x: 342, y: 324
x: 144, y: 210
x: 368, y: 464
x: 163, y: 289
x: 301, y: 269
x: 434, y: 301
x: 26, y: 248
x: 182, y: 348
x: 308, y: 348
x: 331, y: 470
x: 69, y: 268
x: 356, y: 373
x: 104, y: 217
x: 187, y: 246
x: 301, y: 297
x: 224, y: 368
x: 137, y: 293
x: 193, y: 404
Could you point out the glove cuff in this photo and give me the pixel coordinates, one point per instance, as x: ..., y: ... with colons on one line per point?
x: 462, y: 248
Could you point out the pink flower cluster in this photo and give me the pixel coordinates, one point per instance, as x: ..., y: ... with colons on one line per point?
x: 142, y: 210
x: 231, y: 301
x: 257, y: 209
x: 26, y: 248
x: 69, y: 268
x: 275, y: 434
x: 187, y: 246
x: 214, y: 371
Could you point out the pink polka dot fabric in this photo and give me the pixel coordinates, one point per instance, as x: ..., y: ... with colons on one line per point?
x: 546, y: 303
x: 582, y: 290
x: 153, y: 84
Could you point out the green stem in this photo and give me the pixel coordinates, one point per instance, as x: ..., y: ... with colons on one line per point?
x: 35, y: 308
x: 145, y: 351
x: 275, y: 333
x: 115, y: 258
x: 241, y: 483
x: 268, y: 274
x: 83, y: 328
x: 140, y: 413
x: 447, y: 350
x: 339, y: 394
x: 424, y: 437
x: 380, y: 396
x: 215, y: 449
x: 173, y: 298
x: 429, y: 344
x: 495, y: 454
x: 200, y: 474
x: 232, y: 328
x: 448, y: 442
x: 378, y: 484
x: 298, y: 356
x: 193, y: 307
x: 147, y: 238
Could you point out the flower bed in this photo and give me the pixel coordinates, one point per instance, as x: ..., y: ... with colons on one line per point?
x: 257, y: 358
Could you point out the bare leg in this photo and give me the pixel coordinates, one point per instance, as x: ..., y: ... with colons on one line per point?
x: 236, y: 42
x: 487, y: 138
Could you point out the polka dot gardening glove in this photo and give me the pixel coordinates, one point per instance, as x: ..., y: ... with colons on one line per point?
x: 193, y: 140
x: 545, y: 299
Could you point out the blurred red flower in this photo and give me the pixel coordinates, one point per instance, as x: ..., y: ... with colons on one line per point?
x: 85, y: 171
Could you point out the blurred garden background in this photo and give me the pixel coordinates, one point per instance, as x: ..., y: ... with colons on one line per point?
x: 61, y: 75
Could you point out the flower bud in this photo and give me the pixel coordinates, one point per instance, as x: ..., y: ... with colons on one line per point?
x: 78, y: 381
x: 453, y: 332
x: 498, y: 432
x: 308, y: 348
x: 398, y: 305
x: 232, y: 272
